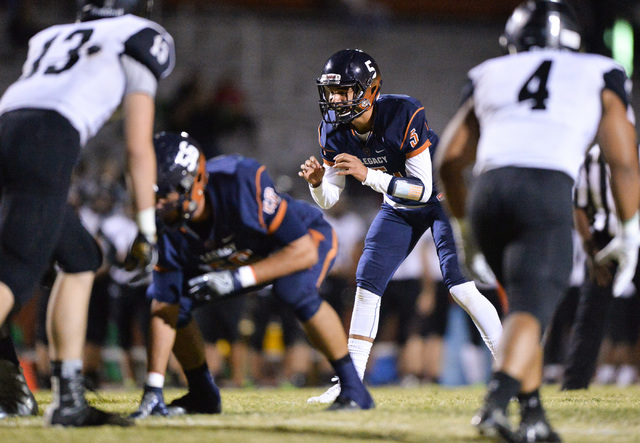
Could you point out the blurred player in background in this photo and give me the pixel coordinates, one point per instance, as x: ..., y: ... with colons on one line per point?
x: 74, y: 78
x: 526, y: 123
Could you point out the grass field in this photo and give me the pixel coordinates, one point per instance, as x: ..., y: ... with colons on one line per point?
x: 426, y: 413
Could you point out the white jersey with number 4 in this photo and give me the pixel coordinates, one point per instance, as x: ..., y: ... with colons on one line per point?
x: 541, y: 109
x: 77, y: 69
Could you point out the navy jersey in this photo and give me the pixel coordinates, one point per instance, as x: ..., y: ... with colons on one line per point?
x: 251, y: 220
x: 400, y: 131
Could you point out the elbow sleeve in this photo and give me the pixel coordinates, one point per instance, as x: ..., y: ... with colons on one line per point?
x: 409, y: 188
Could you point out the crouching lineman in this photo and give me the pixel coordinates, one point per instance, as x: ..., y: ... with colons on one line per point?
x: 225, y: 230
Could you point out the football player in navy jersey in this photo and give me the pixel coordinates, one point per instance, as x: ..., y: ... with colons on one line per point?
x: 525, y: 125
x: 226, y: 230
x: 384, y: 142
x: 74, y: 78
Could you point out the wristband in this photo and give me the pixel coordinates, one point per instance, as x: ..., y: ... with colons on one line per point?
x: 146, y: 221
x: 246, y: 276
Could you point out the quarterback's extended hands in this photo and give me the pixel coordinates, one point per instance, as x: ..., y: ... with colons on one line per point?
x: 214, y: 284
x: 623, y: 249
x: 142, y: 256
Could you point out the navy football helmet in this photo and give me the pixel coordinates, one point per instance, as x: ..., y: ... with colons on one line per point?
x: 541, y: 24
x: 181, y: 170
x: 349, y: 69
x: 95, y: 9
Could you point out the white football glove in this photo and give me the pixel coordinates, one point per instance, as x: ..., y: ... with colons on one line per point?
x: 623, y: 249
x: 469, y: 255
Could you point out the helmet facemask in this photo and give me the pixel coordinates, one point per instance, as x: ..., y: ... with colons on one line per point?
x: 355, y: 76
x: 342, y: 111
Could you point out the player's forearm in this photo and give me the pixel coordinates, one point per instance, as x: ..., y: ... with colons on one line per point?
x: 298, y: 255
x: 141, y: 159
x: 328, y: 192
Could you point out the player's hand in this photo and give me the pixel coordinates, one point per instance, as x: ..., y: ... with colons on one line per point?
x: 348, y: 164
x: 623, y: 249
x: 469, y: 254
x: 142, y: 256
x: 211, y: 285
x: 312, y: 171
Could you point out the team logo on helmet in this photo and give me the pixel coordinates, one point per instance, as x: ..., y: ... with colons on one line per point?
x: 181, y: 174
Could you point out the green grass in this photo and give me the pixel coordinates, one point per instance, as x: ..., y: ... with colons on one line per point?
x: 426, y: 413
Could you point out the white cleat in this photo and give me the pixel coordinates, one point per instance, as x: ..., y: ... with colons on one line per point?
x: 329, y: 396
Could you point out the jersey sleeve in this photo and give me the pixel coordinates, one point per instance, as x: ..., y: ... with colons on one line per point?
x: 154, y: 48
x: 417, y: 136
x: 264, y: 209
x: 617, y: 81
x: 328, y: 151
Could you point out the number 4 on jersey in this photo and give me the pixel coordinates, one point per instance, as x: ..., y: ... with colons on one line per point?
x: 535, y: 87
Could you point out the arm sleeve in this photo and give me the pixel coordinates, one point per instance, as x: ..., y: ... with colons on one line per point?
x: 420, y: 167
x: 328, y: 193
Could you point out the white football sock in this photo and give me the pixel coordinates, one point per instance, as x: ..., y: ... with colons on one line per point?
x: 364, y: 322
x: 481, y: 311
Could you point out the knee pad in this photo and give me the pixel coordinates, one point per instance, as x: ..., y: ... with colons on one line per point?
x: 366, y: 314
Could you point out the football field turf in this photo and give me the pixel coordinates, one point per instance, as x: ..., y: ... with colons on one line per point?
x: 424, y: 413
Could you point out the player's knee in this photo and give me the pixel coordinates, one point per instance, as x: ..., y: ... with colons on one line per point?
x: 366, y: 313
x: 307, y: 308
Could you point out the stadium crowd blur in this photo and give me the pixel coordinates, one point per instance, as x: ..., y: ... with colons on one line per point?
x: 424, y: 337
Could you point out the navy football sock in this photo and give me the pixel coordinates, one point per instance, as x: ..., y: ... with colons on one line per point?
x: 350, y: 384
x: 200, y: 381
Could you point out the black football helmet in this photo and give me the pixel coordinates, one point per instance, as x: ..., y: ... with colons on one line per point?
x: 181, y: 169
x: 348, y: 69
x: 541, y: 24
x: 95, y: 9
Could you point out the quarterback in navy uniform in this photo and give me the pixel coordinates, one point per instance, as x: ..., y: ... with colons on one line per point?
x: 528, y: 120
x: 74, y: 78
x: 227, y: 231
x: 384, y: 142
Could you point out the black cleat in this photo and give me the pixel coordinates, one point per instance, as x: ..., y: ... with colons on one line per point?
x: 16, y: 400
x: 492, y: 422
x: 540, y: 430
x: 191, y: 403
x: 83, y: 415
x: 343, y: 403
x: 153, y: 404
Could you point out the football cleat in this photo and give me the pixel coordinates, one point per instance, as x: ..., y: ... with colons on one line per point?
x: 153, y: 404
x: 16, y: 400
x: 329, y: 396
x: 492, y: 422
x: 540, y: 430
x: 344, y: 403
x: 191, y: 403
x: 82, y: 415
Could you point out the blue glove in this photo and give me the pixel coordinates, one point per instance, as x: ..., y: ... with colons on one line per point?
x: 208, y: 286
